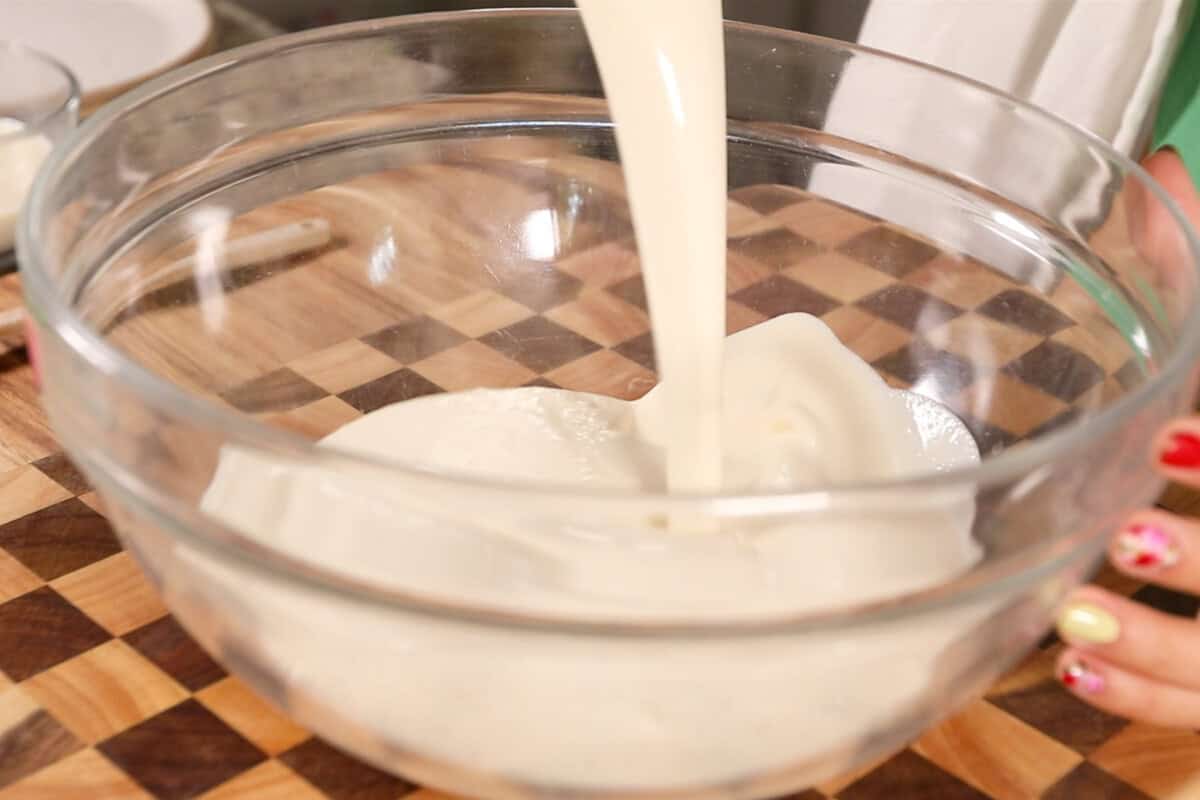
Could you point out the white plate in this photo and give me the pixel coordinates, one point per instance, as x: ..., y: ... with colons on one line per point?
x: 110, y: 45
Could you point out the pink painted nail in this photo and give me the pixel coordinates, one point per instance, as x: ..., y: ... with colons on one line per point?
x: 1147, y: 547
x: 1079, y: 677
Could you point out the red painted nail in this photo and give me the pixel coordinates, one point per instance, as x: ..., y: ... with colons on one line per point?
x: 1183, y: 451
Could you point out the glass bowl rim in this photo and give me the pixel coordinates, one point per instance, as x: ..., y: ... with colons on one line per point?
x: 52, y: 311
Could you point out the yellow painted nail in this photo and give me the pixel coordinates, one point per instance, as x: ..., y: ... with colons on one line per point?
x: 1088, y: 624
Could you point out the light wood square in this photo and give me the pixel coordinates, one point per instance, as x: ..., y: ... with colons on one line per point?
x: 15, y: 578
x: 1162, y: 763
x: 1036, y: 669
x: 741, y: 272
x: 984, y: 342
x: 823, y: 222
x: 866, y: 334
x: 253, y: 717
x: 839, y: 277
x: 15, y: 706
x: 739, y: 317
x: 1008, y: 403
x: 473, y: 365
x: 481, y: 313
x: 27, y: 435
x: 86, y: 775
x: 24, y: 490
x: 958, y: 281
x: 105, y: 691
x: 997, y: 753
x: 602, y: 317
x: 745, y: 221
x: 1102, y: 343
x: 607, y: 373
x: 317, y: 420
x: 603, y: 265
x: 268, y: 781
x: 344, y: 366
x: 113, y: 592
x: 95, y: 502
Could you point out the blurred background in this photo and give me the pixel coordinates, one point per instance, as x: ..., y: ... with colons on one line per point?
x: 836, y: 18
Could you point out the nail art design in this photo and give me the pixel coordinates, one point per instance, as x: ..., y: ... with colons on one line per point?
x: 1182, y: 452
x: 1088, y: 624
x: 1081, y: 678
x: 1147, y: 547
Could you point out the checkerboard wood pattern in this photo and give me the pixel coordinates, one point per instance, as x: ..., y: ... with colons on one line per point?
x: 104, y: 695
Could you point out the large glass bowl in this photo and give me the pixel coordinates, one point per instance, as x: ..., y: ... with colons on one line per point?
x: 471, y: 230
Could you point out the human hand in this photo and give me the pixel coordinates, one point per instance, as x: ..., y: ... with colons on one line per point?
x: 1121, y: 656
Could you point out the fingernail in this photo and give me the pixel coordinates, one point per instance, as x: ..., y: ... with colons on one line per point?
x: 1147, y: 548
x: 1088, y: 624
x: 1080, y: 677
x: 1182, y: 451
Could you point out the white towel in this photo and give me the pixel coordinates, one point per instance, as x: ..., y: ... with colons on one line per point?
x: 1096, y: 63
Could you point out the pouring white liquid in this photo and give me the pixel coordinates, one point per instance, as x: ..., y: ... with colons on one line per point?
x: 21, y: 154
x: 780, y: 406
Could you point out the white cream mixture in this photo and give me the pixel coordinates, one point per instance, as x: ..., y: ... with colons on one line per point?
x: 21, y: 154
x: 777, y: 407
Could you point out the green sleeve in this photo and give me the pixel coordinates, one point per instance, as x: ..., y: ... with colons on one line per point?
x: 1178, y: 121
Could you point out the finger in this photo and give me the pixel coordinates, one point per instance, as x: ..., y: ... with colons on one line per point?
x: 1177, y: 451
x: 1132, y: 636
x: 1169, y: 170
x: 1161, y: 548
x: 1127, y: 694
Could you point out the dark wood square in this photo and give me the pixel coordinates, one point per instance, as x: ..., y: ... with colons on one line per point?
x: 540, y: 344
x: 1089, y: 782
x: 400, y: 385
x: 780, y: 295
x: 166, y: 644
x: 60, y: 539
x: 340, y: 776
x: 542, y: 383
x: 416, y: 340
x: 640, y: 350
x: 1060, y: 715
x: 909, y: 775
x: 767, y: 198
x: 990, y: 438
x: 542, y: 287
x: 59, y: 469
x: 31, y: 744
x: 1023, y: 310
x: 41, y: 629
x: 281, y: 390
x: 909, y: 307
x: 183, y: 752
x: 941, y: 374
x: 1058, y: 370
x: 779, y: 248
x: 888, y: 250
x: 632, y: 291
x: 1131, y: 375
